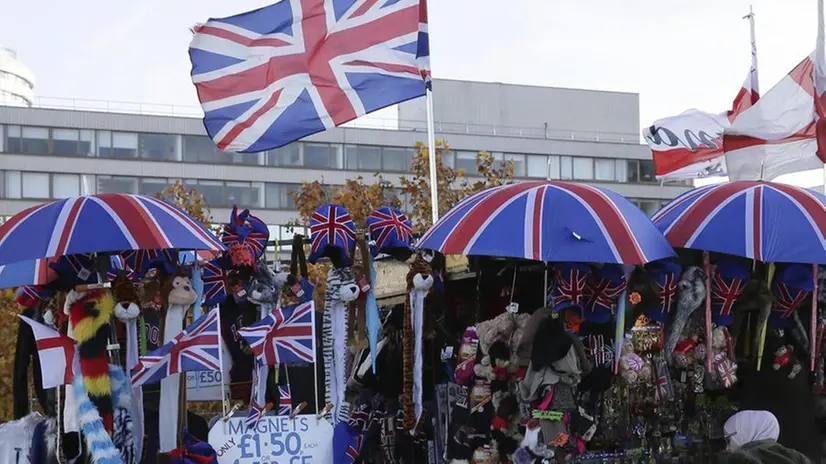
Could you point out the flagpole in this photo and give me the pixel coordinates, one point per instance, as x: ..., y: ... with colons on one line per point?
x: 750, y: 17
x: 221, y: 363
x: 431, y: 149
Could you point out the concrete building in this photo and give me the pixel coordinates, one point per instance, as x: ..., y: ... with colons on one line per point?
x: 583, y: 135
x: 16, y: 80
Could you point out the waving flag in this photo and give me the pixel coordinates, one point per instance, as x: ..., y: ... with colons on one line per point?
x: 271, y: 76
x: 215, y: 277
x: 194, y: 349
x: 285, y: 336
x: 56, y: 351
x: 285, y: 401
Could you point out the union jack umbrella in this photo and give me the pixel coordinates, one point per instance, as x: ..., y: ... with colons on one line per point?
x: 285, y: 401
x: 389, y: 228
x: 31, y: 272
x: 549, y: 221
x: 277, y: 74
x: 285, y: 336
x: 602, y: 290
x: 331, y: 228
x: 108, y: 222
x: 793, y: 285
x: 195, y: 349
x: 728, y: 280
x: 569, y: 290
x: 758, y: 220
x: 214, y: 275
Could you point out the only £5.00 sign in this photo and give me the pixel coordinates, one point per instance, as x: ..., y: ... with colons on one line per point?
x: 276, y: 440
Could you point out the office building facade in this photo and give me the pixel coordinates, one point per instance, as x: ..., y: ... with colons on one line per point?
x: 580, y: 135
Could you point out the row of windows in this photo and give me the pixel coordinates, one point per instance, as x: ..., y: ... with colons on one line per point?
x: 264, y: 195
x: 200, y: 149
x: 44, y: 186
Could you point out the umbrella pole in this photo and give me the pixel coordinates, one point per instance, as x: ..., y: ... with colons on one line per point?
x: 761, y: 345
x: 813, y: 320
x: 707, y: 271
x: 619, y: 334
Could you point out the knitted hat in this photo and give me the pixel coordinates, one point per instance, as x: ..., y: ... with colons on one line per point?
x: 73, y: 270
x: 28, y: 295
x: 392, y: 231
x: 666, y: 276
x: 792, y: 286
x: 570, y: 286
x: 727, y: 283
x: 333, y: 235
x: 246, y: 237
x: 602, y: 291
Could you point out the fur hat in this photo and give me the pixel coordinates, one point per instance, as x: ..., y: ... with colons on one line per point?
x: 666, y: 276
x: 603, y: 288
x: 728, y: 280
x: 392, y: 231
x: 339, y: 247
x: 792, y: 286
x: 570, y: 285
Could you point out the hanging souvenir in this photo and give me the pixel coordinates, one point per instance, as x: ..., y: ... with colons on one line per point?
x: 728, y: 279
x: 666, y: 276
x: 569, y: 291
x: 332, y: 235
x: 603, y: 288
x: 215, y: 276
x: 391, y: 232
x: 792, y: 287
x: 245, y: 237
x: 691, y: 294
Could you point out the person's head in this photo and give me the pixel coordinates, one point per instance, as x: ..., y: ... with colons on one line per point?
x: 748, y: 426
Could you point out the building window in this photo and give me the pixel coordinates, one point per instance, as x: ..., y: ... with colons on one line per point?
x: 538, y: 166
x: 448, y: 158
x: 647, y: 173
x: 245, y: 194
x: 160, y: 147
x: 518, y: 164
x: 151, y: 187
x: 198, y: 148
x: 117, y: 184
x: 13, y: 188
x: 35, y: 185
x: 2, y: 142
x: 621, y: 171
x: 320, y: 155
x: 583, y: 168
x: 117, y: 144
x: 566, y: 168
x: 30, y: 140
x: 362, y: 158
x: 649, y: 207
x: 466, y: 160
x: 279, y: 195
x: 65, y: 185
x: 397, y: 159
x: 604, y: 169
x: 633, y: 171
x: 288, y: 155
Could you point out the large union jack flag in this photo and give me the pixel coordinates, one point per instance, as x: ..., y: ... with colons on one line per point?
x: 285, y: 336
x: 389, y: 227
x: 271, y: 76
x: 195, y: 349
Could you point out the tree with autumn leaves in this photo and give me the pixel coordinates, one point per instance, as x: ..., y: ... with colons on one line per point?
x: 361, y: 198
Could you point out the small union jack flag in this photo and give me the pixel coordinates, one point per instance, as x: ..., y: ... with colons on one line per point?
x: 195, y: 349
x: 331, y: 225
x: 141, y: 260
x: 255, y: 414
x: 285, y: 336
x: 603, y: 290
x: 214, y: 277
x: 354, y: 449
x: 570, y: 286
x: 389, y: 228
x: 786, y: 300
x: 285, y: 401
x: 725, y: 292
x: 118, y: 267
x: 662, y: 384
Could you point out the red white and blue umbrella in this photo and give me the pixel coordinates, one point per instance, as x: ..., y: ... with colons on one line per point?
x: 109, y: 222
x: 764, y: 221
x: 31, y: 272
x: 549, y: 221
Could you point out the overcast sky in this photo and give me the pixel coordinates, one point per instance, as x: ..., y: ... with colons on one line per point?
x: 677, y: 54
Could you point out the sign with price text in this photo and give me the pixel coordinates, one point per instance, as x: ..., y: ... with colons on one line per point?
x: 276, y: 440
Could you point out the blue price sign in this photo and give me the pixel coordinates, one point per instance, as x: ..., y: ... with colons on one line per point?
x: 276, y: 440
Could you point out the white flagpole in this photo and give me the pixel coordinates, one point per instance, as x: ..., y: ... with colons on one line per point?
x: 753, y: 73
x: 221, y: 363
x: 431, y: 149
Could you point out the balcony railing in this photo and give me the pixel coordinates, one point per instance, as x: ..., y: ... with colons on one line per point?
x: 364, y: 122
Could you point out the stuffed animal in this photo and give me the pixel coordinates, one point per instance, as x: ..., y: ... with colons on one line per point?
x: 691, y: 294
x: 419, y: 279
x: 504, y: 332
x: 357, y: 323
x: 783, y: 356
x: 466, y: 359
x: 632, y: 367
x: 341, y: 290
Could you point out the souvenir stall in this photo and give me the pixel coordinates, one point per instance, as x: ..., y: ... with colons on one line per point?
x: 95, y: 273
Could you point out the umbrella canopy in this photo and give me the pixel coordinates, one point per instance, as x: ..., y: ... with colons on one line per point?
x: 765, y: 221
x: 549, y: 221
x: 32, y: 272
x: 109, y: 222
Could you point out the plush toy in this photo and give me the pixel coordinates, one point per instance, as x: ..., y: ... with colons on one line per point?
x: 466, y: 359
x: 499, y: 340
x: 341, y: 290
x: 684, y: 352
x: 631, y: 364
x: 691, y: 293
x: 357, y: 323
x: 419, y: 282
x: 783, y: 356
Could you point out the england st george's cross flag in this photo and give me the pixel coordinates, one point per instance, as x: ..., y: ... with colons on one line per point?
x: 274, y: 75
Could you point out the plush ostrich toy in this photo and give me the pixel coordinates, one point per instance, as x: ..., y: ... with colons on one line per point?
x: 178, y: 295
